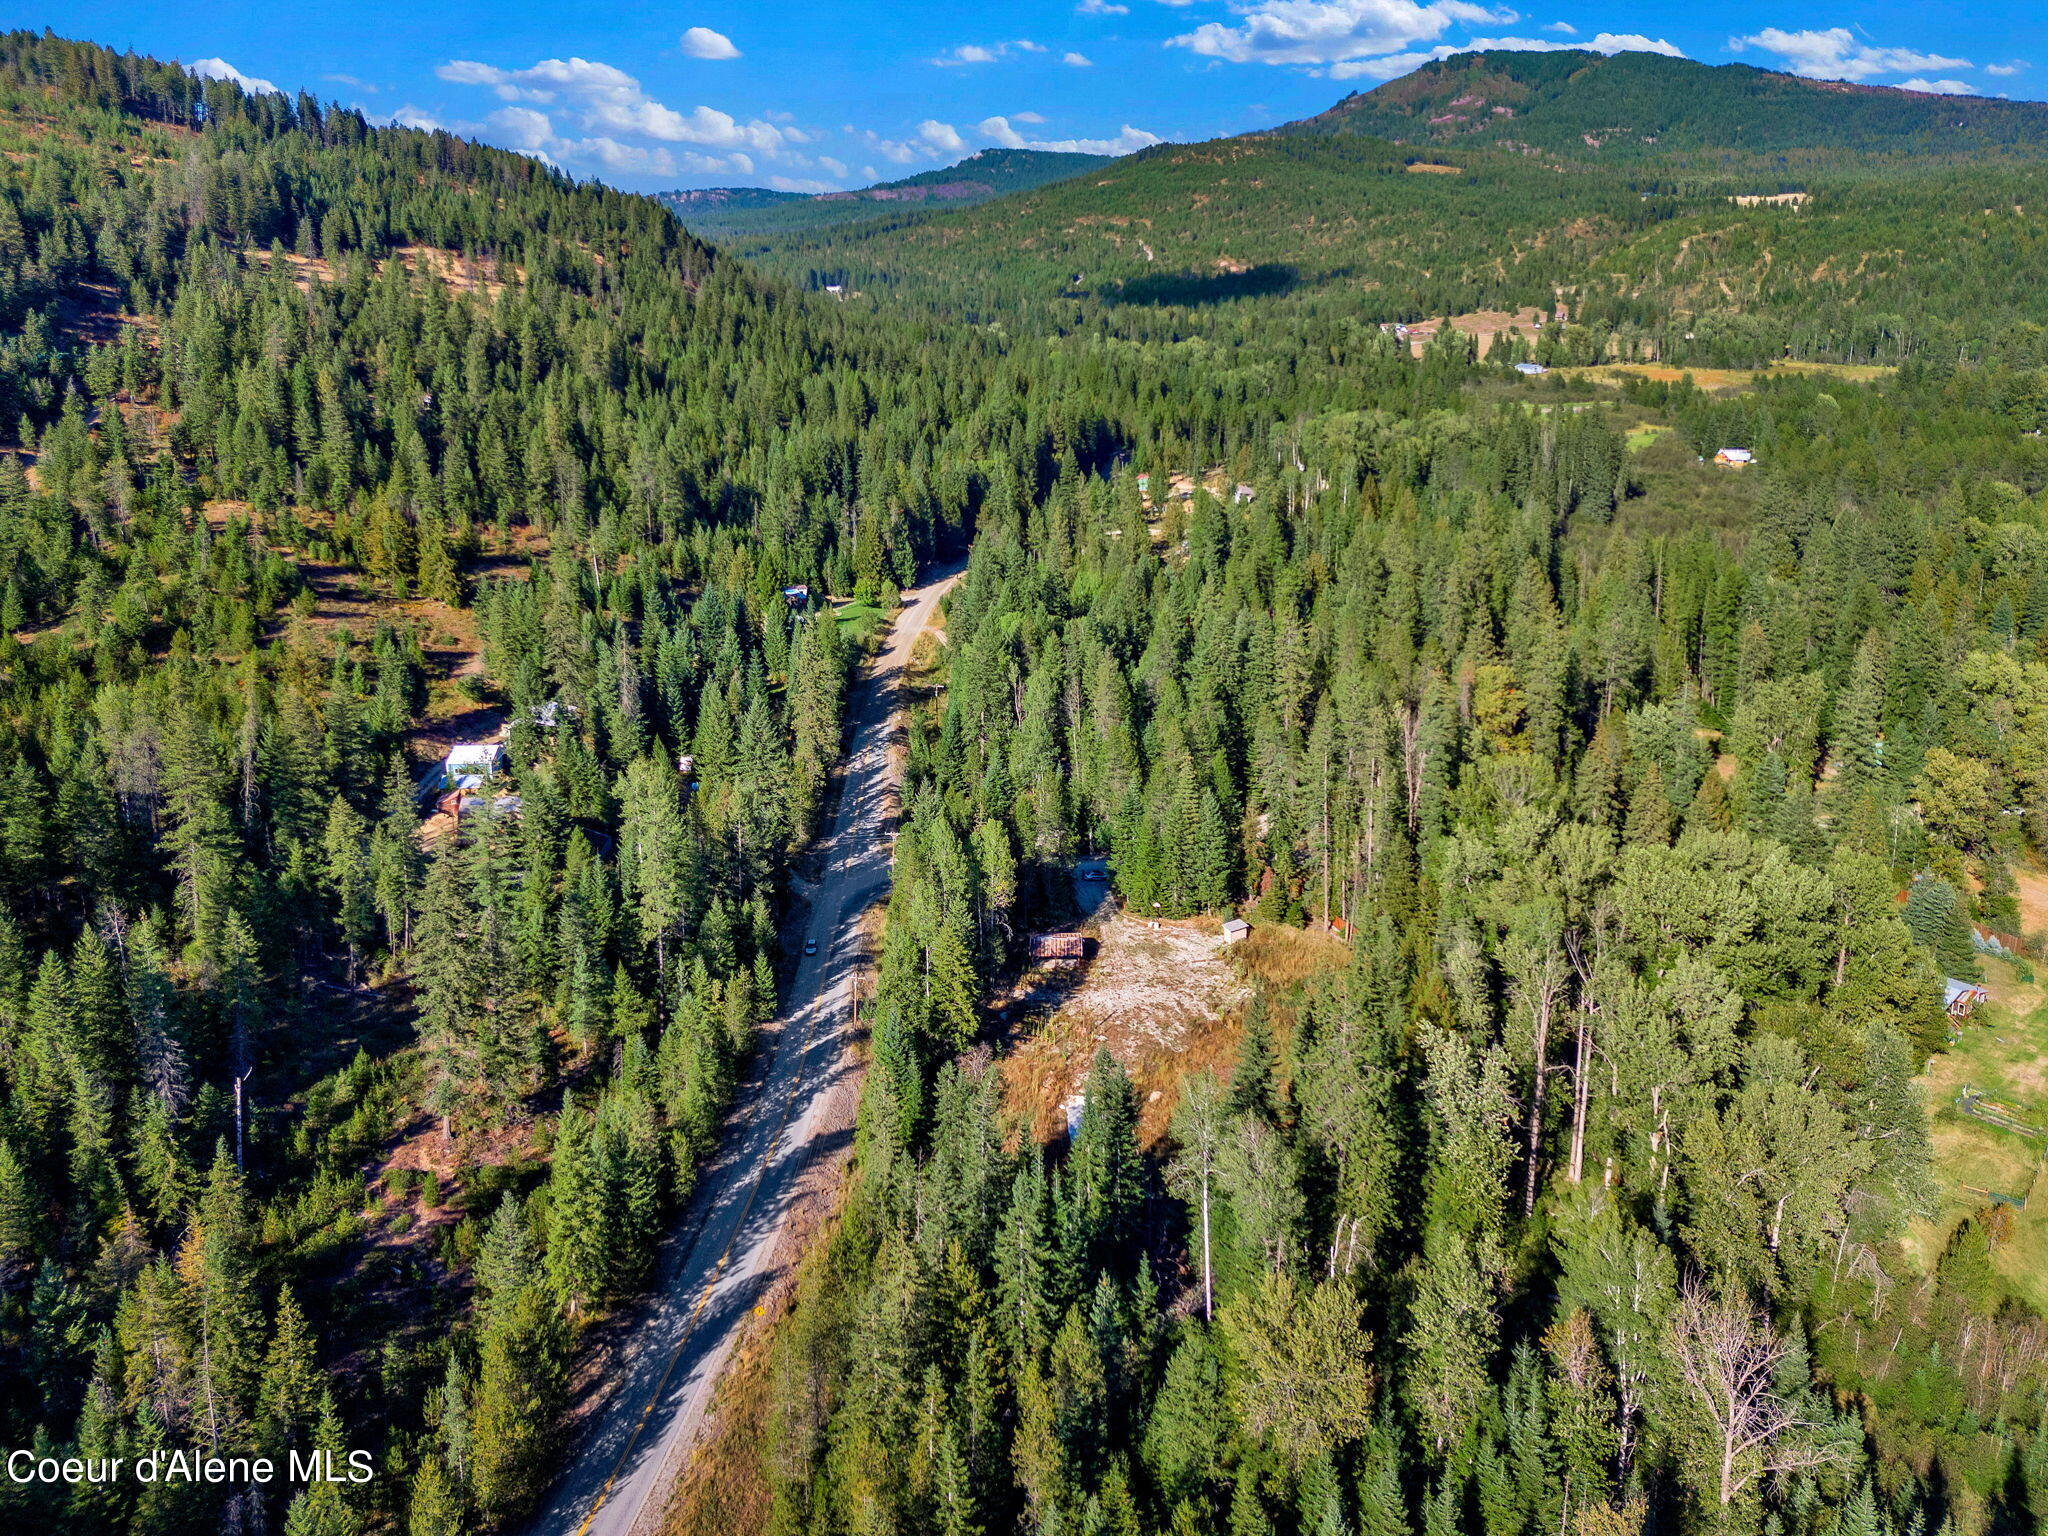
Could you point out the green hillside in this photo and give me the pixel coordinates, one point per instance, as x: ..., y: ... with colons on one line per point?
x: 725, y: 214
x: 691, y: 203
x: 1248, y: 237
x: 1646, y: 107
x: 1675, y: 211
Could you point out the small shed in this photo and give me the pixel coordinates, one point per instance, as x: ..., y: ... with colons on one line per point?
x: 1735, y: 456
x: 1236, y: 930
x: 1058, y: 947
x: 476, y: 758
x: 1960, y: 998
x: 1242, y: 494
x: 1531, y: 368
x: 796, y: 596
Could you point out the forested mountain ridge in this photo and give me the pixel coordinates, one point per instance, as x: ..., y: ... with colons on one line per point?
x: 1673, y: 211
x: 1647, y: 107
x: 728, y: 213
x: 1269, y: 245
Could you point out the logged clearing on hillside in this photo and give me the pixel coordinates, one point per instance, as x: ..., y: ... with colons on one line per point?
x: 1484, y: 325
x: 461, y: 273
x: 1166, y: 999
x: 1148, y: 991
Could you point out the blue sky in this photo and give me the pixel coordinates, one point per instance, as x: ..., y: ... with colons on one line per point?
x: 807, y: 96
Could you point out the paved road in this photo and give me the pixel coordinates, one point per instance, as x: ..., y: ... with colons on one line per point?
x: 721, y: 1262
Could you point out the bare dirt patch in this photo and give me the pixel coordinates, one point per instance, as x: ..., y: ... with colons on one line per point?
x: 1146, y: 995
x: 1431, y: 168
x: 459, y: 273
x: 1716, y: 380
x: 1483, y: 325
x: 97, y: 313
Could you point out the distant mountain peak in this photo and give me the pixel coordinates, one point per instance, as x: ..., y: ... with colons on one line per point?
x: 987, y: 173
x: 1577, y: 103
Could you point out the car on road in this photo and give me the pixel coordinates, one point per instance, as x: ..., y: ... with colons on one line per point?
x: 810, y: 946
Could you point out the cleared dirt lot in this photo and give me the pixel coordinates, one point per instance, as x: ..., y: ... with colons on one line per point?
x: 1153, y: 996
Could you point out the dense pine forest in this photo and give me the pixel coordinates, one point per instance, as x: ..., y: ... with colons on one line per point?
x: 1576, y: 1199
x: 1589, y: 1189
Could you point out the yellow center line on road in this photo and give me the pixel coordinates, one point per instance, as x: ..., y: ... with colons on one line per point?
x: 845, y: 859
x: 703, y: 1296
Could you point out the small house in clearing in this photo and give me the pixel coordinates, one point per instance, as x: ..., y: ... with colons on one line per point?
x: 480, y: 761
x: 1531, y: 369
x: 1961, y: 998
x: 1737, y: 456
x: 1236, y: 930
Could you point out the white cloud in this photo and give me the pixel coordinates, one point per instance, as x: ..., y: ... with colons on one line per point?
x: 1834, y: 54
x: 1939, y: 87
x: 1387, y: 66
x: 1077, y: 60
x: 1564, y: 27
x: 1002, y: 131
x: 523, y: 128
x: 903, y: 152
x: 800, y: 184
x: 836, y: 167
x: 935, y: 140
x: 1101, y: 8
x: 352, y: 83
x: 984, y: 53
x: 1329, y: 31
x: 703, y: 43
x: 1391, y: 65
x: 998, y: 131
x: 413, y: 117
x: 942, y: 138
x: 221, y: 69
x: 2002, y: 70
x: 1128, y: 141
x: 1605, y: 42
x: 602, y: 98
